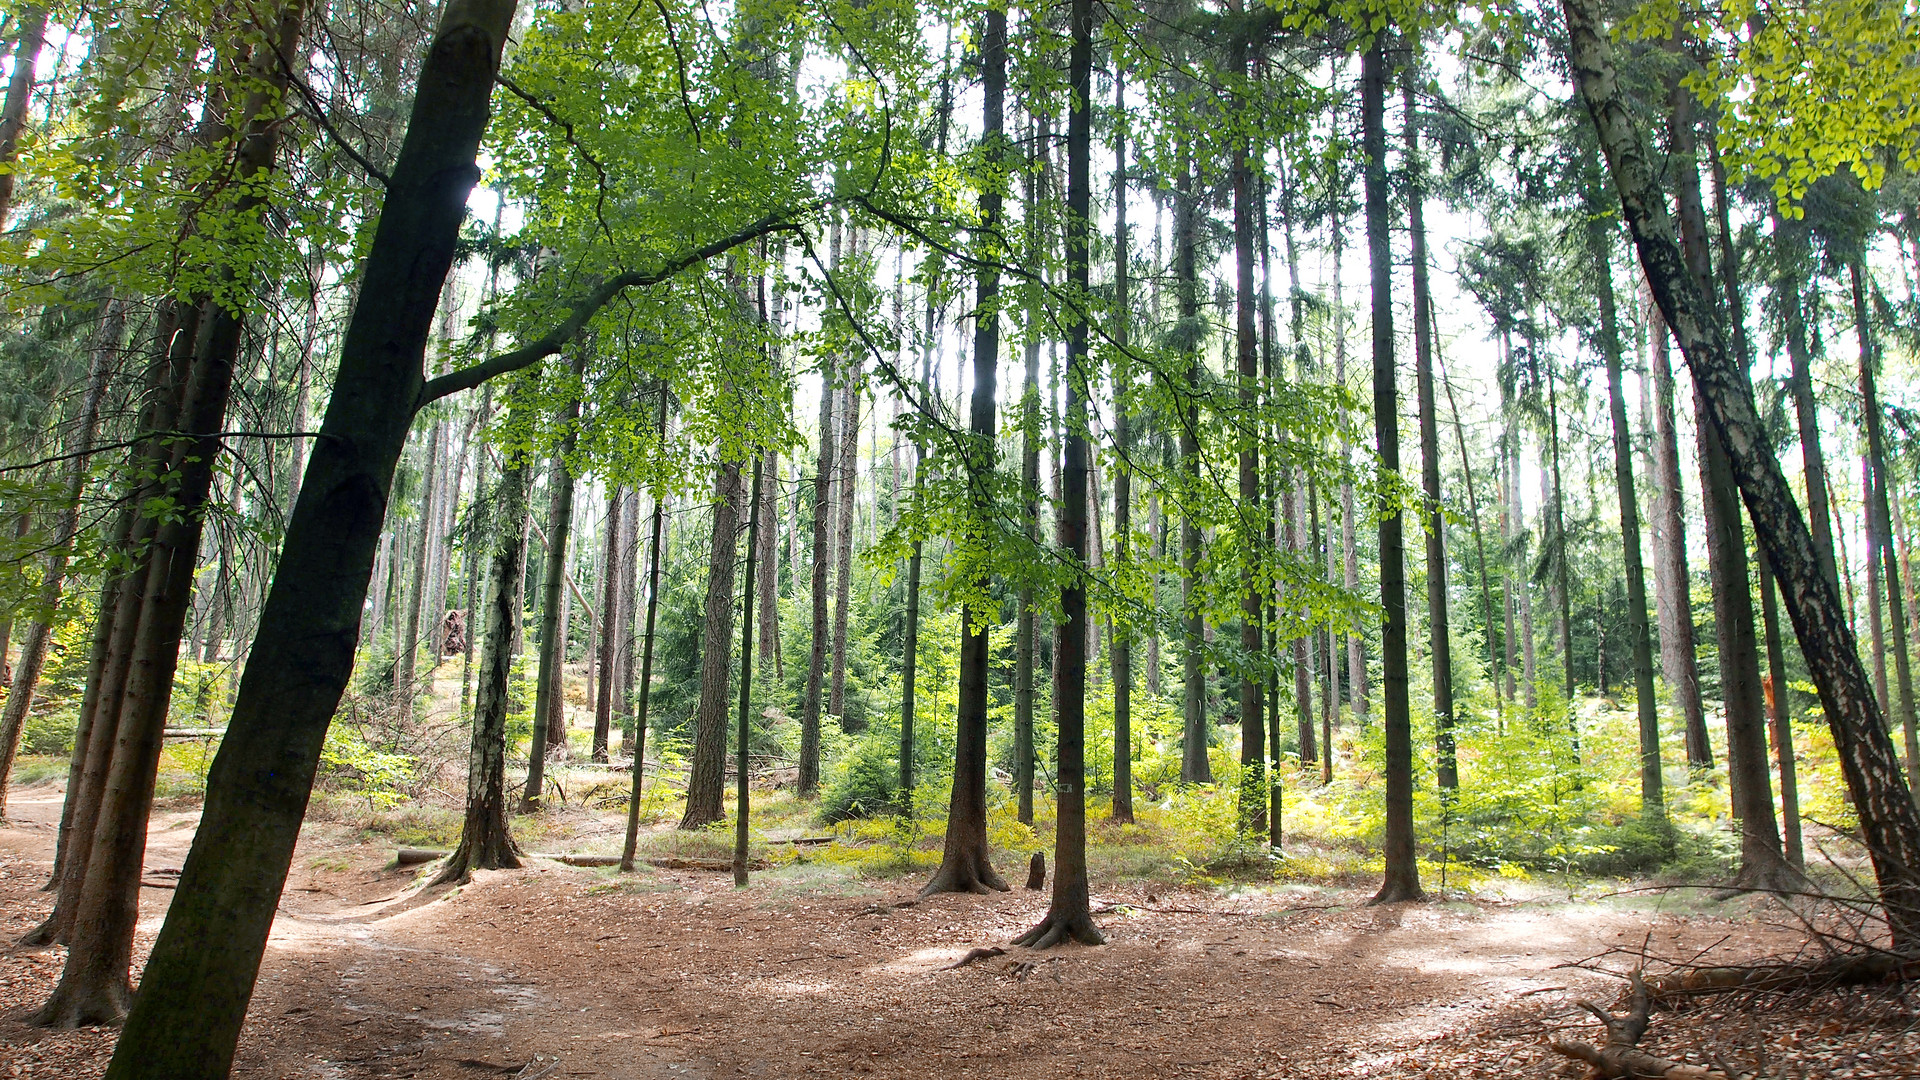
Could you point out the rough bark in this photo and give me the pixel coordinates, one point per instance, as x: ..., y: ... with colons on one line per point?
x: 485, y: 841
x: 549, y: 695
x: 610, y: 578
x: 1779, y: 720
x: 32, y: 21
x: 1195, y: 727
x: 822, y: 576
x: 646, y: 660
x: 845, y: 489
x: 706, y: 777
x: 1251, y: 521
x: 1122, y: 649
x: 1889, y: 823
x: 742, y: 798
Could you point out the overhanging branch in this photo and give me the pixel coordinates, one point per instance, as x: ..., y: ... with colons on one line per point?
x: 556, y: 339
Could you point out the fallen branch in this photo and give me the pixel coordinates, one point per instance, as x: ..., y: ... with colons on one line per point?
x: 1621, y: 1058
x: 1841, y: 969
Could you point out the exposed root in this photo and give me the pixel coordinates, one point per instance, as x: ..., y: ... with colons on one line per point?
x: 974, y: 956
x: 1059, y: 928
x: 974, y: 875
x: 1621, y: 1058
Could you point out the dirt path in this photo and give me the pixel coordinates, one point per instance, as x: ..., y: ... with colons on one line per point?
x: 675, y: 974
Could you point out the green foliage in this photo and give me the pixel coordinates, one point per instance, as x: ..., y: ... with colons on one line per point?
x: 349, y: 763
x: 863, y: 781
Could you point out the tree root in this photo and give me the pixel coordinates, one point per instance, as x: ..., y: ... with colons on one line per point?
x: 975, y: 875
x: 1059, y: 928
x: 1621, y: 1058
x: 974, y: 956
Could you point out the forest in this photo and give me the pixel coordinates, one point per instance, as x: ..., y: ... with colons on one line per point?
x: 597, y: 539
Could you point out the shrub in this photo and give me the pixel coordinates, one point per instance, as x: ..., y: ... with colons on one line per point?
x: 863, y: 782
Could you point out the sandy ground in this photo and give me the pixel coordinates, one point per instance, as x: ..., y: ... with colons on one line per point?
x: 676, y: 974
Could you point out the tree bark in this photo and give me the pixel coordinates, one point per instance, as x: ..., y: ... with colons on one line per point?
x: 845, y: 489
x: 1439, y: 630
x: 1672, y: 583
x: 1195, y: 726
x: 609, y: 623
x: 706, y: 777
x: 646, y: 657
x: 964, y: 865
x: 549, y: 695
x: 1779, y: 720
x: 1070, y: 914
x: 822, y: 553
x: 1402, y: 880
x: 1251, y: 520
x: 1122, y: 649
x: 32, y: 21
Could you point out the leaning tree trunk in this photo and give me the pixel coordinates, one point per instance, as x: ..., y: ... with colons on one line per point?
x: 1402, y: 871
x: 485, y: 841
x: 186, y: 1020
x: 1070, y: 914
x: 964, y: 865
x: 1889, y: 823
x: 706, y: 777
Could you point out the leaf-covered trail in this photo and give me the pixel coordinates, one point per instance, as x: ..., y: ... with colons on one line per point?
x: 674, y: 974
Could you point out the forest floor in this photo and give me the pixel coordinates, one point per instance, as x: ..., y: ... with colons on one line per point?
x: 815, y: 971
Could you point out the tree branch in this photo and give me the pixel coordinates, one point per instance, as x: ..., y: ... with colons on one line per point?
x: 556, y: 339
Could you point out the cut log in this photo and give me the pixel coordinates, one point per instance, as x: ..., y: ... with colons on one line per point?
x: 1845, y: 969
x: 408, y: 856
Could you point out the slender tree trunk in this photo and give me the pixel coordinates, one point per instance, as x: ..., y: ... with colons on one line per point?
x: 822, y: 552
x: 1672, y: 584
x: 1122, y: 650
x: 1349, y: 540
x: 406, y: 647
x: 1070, y: 915
x: 742, y: 799
x: 964, y: 865
x: 486, y: 843
x: 1195, y: 726
x: 549, y: 701
x: 609, y: 621
x: 1881, y: 520
x: 849, y: 458
x: 1439, y: 630
x: 1402, y: 880
x: 646, y: 658
x: 706, y: 778
x: 1030, y: 438
x: 1251, y: 520
x: 1652, y: 788
x: 1779, y: 720
x: 1790, y: 246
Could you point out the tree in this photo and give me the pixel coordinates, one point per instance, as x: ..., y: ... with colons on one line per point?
x: 1403, y: 872
x: 1889, y: 823
x: 964, y: 864
x: 1070, y: 914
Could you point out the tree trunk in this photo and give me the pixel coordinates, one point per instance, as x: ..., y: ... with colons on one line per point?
x: 1439, y: 630
x: 1652, y: 787
x: 1250, y: 521
x: 194, y: 994
x: 1889, y: 823
x: 1030, y: 438
x: 13, y: 114
x: 549, y: 695
x: 406, y: 644
x: 742, y: 799
x: 964, y: 865
x: 1402, y: 880
x: 1195, y: 725
x: 1122, y: 649
x: 706, y: 777
x: 1672, y: 583
x: 1882, y: 523
x: 1779, y: 720
x: 485, y: 841
x: 1790, y: 257
x: 1070, y: 915
x: 610, y: 576
x: 845, y: 489
x: 822, y: 553
x: 646, y: 657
